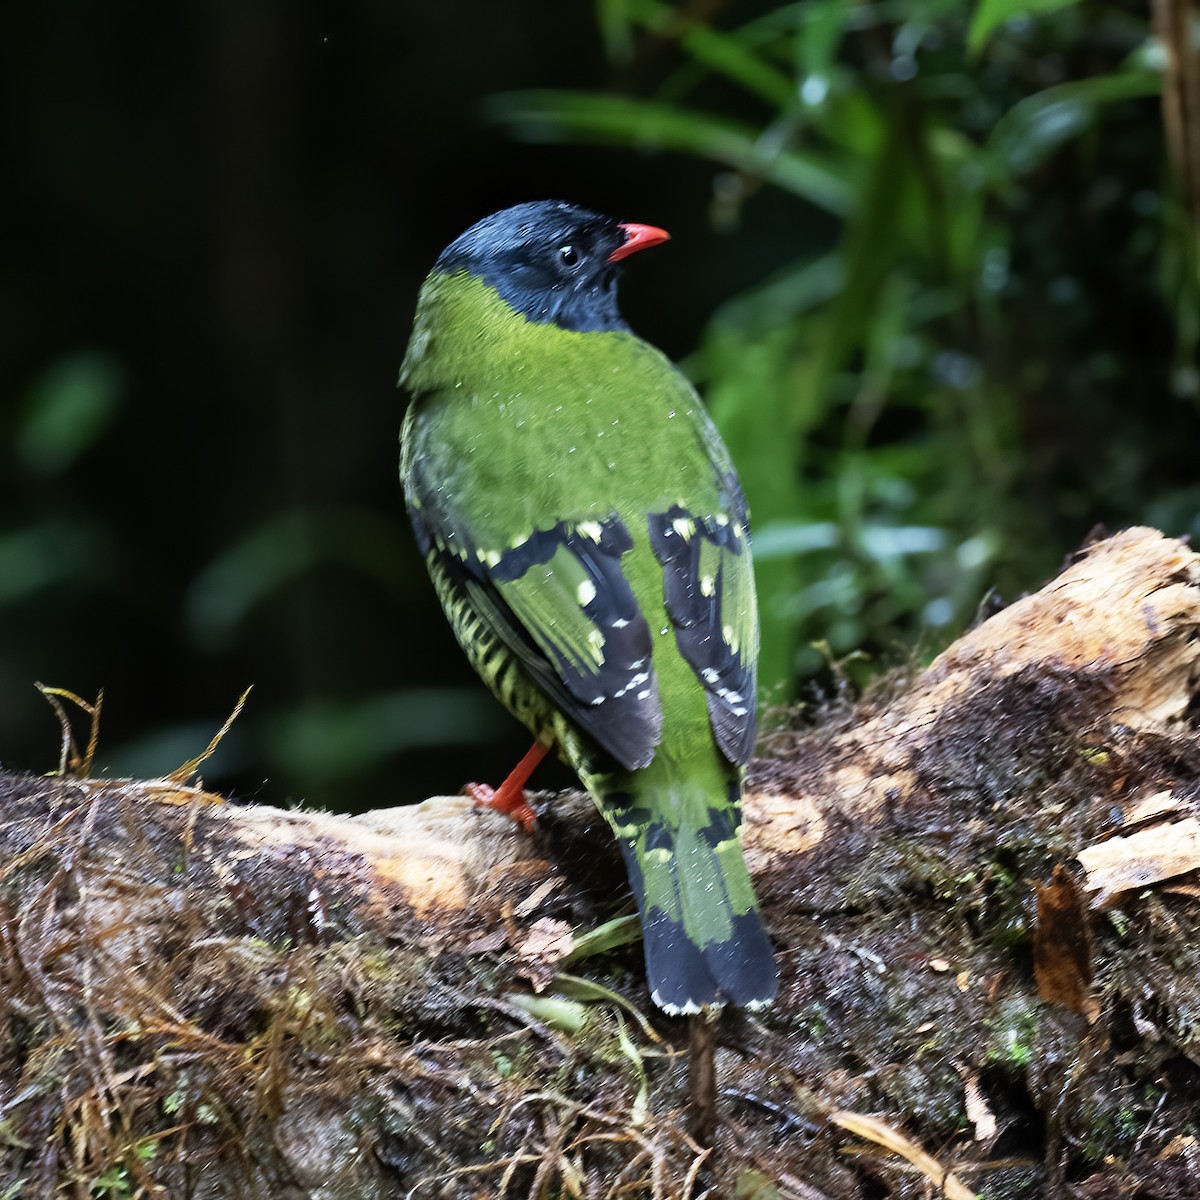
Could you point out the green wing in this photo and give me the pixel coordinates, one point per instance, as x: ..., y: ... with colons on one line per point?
x: 561, y: 603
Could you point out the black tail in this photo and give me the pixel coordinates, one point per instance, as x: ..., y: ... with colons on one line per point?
x: 704, y: 937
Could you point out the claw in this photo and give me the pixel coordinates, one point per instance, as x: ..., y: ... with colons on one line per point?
x: 512, y: 805
x: 509, y: 797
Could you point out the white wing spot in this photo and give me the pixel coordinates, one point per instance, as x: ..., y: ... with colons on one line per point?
x: 585, y: 593
x: 636, y: 681
x: 684, y: 526
x: 590, y: 529
x: 708, y: 585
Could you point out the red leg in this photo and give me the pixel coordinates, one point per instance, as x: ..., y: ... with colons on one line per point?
x: 509, y: 797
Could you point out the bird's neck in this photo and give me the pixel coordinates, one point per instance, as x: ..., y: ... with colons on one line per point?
x: 465, y: 332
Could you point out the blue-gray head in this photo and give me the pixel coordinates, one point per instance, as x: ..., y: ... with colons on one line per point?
x: 551, y: 261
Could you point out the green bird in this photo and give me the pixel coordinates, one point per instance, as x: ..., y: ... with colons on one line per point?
x: 587, y: 536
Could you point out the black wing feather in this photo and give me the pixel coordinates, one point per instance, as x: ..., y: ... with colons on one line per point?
x: 726, y: 669
x: 615, y: 700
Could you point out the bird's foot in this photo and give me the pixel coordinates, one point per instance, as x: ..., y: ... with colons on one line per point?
x: 509, y: 797
x: 511, y: 803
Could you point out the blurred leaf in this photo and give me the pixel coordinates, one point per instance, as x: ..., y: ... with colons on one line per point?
x: 588, y: 116
x: 869, y: 246
x: 817, y: 47
x: 887, y: 544
x: 284, y: 546
x: 52, y: 552
x: 728, y: 56
x: 324, y: 740
x: 991, y: 14
x: 67, y: 411
x: 785, y: 539
x: 1036, y: 126
x: 617, y: 30
x: 763, y: 419
x: 795, y: 290
x: 880, y: 543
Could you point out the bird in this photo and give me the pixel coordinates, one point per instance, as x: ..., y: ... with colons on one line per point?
x: 587, y: 535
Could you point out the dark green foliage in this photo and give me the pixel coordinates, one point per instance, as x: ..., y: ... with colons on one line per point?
x: 976, y: 337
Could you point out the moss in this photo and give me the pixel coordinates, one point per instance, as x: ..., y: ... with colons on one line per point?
x: 1012, y: 1034
x: 906, y: 977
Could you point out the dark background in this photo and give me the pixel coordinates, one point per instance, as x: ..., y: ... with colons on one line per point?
x: 217, y: 217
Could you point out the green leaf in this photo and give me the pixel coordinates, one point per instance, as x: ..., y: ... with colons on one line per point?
x: 991, y: 14
x: 567, y: 1016
x: 68, y: 410
x: 618, y: 932
x: 554, y: 116
x: 817, y: 48
x: 786, y: 539
x: 284, y: 546
x: 1035, y: 127
x: 588, y: 991
x: 616, y: 29
x: 727, y: 55
x: 637, y: 1112
x: 798, y: 288
x: 54, y: 552
x: 322, y: 741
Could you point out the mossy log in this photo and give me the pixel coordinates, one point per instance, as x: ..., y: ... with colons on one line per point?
x: 981, y: 884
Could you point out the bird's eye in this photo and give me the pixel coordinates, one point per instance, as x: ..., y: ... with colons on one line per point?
x: 568, y: 255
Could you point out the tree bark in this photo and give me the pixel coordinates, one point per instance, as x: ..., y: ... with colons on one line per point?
x: 980, y: 880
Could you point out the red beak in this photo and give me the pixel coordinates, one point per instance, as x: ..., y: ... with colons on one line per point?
x: 638, y: 237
